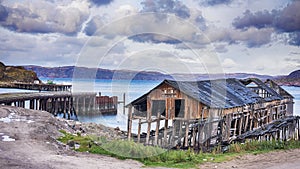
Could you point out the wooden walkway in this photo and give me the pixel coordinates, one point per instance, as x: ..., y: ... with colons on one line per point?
x: 38, y: 87
x: 62, y: 102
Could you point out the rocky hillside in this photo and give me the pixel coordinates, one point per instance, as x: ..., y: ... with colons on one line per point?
x: 293, y: 79
x: 16, y: 74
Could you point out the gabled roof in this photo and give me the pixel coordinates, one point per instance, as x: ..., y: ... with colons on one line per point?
x: 217, y: 93
x: 270, y: 83
x: 222, y: 93
x: 274, y: 95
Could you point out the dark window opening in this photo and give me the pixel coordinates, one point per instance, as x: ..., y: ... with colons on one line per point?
x: 179, y: 108
x: 141, y: 109
x: 158, y: 106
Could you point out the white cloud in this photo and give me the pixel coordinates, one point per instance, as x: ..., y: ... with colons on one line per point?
x: 47, y: 33
x: 229, y: 63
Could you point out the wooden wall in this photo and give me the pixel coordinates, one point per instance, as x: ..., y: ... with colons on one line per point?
x: 193, y: 109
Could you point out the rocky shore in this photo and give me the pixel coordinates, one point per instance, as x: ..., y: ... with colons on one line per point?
x: 28, y: 140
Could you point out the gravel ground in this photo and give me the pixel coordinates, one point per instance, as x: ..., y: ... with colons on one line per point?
x: 28, y: 141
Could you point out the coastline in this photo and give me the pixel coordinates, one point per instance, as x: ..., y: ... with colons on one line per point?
x: 32, y: 142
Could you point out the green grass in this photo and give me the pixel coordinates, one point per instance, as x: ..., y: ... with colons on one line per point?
x: 155, y: 156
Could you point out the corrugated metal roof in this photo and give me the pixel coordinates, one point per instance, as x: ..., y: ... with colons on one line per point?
x: 222, y: 93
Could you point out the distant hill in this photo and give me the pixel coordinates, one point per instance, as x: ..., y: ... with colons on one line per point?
x: 83, y: 72
x: 16, y: 74
x: 293, y: 79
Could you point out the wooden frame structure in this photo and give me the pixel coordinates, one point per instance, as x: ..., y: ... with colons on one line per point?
x: 204, y: 113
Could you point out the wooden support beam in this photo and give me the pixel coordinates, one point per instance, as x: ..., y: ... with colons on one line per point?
x: 174, y: 123
x: 157, y: 128
x: 235, y: 126
x: 165, y: 133
x: 129, y: 125
x: 194, y: 137
x: 139, y: 130
x: 186, y: 134
x: 241, y: 120
x: 148, y: 130
x: 180, y: 131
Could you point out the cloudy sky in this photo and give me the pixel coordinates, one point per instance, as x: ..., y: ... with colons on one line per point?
x: 170, y: 36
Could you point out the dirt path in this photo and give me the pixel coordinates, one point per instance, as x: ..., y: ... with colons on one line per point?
x: 288, y: 159
x: 27, y: 141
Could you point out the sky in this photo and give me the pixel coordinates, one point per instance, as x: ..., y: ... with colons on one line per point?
x: 169, y: 36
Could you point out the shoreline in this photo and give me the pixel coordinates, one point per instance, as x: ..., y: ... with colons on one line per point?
x: 31, y: 142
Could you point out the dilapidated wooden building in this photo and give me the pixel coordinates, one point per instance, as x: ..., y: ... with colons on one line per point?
x: 201, y: 113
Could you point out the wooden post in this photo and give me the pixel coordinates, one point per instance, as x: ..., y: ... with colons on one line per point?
x: 40, y: 104
x: 186, y: 133
x: 157, y: 128
x: 199, y: 132
x: 246, y: 123
x: 76, y: 103
x: 235, y: 126
x: 173, y: 133
x: 180, y: 131
x: 139, y: 130
x: 194, y: 137
x: 129, y: 125
x: 298, y: 129
x: 241, y: 124
x: 166, y: 132
x: 148, y: 130
x: 83, y: 105
x: 124, y: 103
x: 31, y: 104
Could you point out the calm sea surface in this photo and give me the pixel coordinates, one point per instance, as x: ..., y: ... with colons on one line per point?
x: 132, y: 89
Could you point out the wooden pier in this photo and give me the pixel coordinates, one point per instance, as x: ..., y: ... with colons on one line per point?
x: 36, y: 86
x: 67, y: 103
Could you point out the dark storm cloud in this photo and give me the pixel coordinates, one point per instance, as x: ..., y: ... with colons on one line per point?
x: 101, y: 2
x: 289, y: 18
x: 3, y: 13
x: 166, y: 6
x: 161, y: 8
x: 214, y: 2
x: 259, y: 19
x: 93, y: 25
x: 286, y: 20
x: 44, y: 17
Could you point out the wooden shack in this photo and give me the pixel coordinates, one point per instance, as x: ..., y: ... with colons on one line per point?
x: 201, y: 113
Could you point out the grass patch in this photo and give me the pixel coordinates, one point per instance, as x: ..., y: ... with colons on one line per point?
x: 257, y: 147
x: 155, y: 156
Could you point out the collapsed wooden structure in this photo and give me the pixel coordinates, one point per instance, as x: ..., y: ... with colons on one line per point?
x: 204, y: 113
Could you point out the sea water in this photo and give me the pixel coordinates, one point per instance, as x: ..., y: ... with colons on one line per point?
x: 132, y: 89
